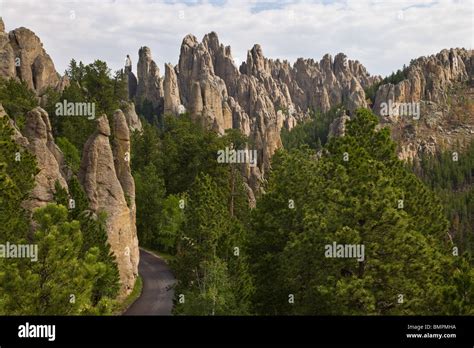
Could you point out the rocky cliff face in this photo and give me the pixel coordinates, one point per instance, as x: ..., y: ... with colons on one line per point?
x: 429, y: 78
x: 432, y: 109
x: 259, y: 98
x: 104, y: 174
x: 338, y: 127
x: 109, y: 186
x: 50, y: 158
x: 133, y: 121
x: 22, y: 56
x: 172, y: 99
x: 37, y: 138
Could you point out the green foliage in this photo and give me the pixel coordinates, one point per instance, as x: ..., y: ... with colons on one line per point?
x: 351, y: 196
x: 146, y: 110
x: 205, y: 255
x: 70, y: 152
x: 101, y: 87
x: 184, y: 194
x: 17, y: 171
x: 313, y: 132
x: 442, y: 172
x: 396, y: 77
x: 212, y: 294
x: 146, y: 149
x: 459, y: 296
x: 98, y: 84
x: 75, y: 71
x: 91, y: 83
x: 150, y: 193
x: 171, y: 219
x: 189, y: 151
x: 120, y: 86
x: 48, y: 103
x: 76, y: 129
x: 80, y: 199
x: 17, y: 99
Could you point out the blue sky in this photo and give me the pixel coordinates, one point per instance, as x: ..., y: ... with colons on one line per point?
x: 382, y: 34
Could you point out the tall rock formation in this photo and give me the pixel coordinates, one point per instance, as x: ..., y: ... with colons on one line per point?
x: 50, y: 161
x: 432, y: 108
x: 338, y: 127
x: 133, y: 121
x: 106, y: 180
x: 37, y: 139
x: 150, y: 84
x: 260, y: 97
x: 121, y: 151
x: 429, y: 78
x: 7, y: 56
x: 22, y: 56
x: 172, y: 100
x: 203, y: 93
x: 102, y: 177
x: 105, y: 176
x: 132, y: 85
x: 263, y: 95
x: 309, y: 84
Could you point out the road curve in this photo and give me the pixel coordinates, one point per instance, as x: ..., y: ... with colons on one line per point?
x: 157, y: 294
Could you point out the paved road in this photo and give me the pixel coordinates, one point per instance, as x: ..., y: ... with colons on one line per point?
x: 156, y: 297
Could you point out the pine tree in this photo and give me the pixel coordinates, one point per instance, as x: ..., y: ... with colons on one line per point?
x: 60, y: 281
x: 203, y: 255
x: 149, y: 184
x: 19, y: 169
x: 17, y: 99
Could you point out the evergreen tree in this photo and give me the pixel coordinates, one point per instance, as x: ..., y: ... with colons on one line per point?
x: 18, y: 171
x: 211, y: 294
x: 70, y: 152
x: 358, y: 193
x: 203, y: 255
x: 94, y: 235
x: 60, y: 281
x: 312, y: 132
x: 452, y: 180
x: 17, y: 99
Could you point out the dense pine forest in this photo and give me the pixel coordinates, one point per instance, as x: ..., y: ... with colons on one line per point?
x: 414, y: 219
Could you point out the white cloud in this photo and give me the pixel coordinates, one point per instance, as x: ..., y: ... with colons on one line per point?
x: 382, y: 34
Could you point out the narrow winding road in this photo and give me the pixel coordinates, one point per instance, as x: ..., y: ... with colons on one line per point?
x: 157, y: 294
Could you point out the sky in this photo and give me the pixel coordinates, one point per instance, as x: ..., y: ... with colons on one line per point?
x: 381, y: 34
